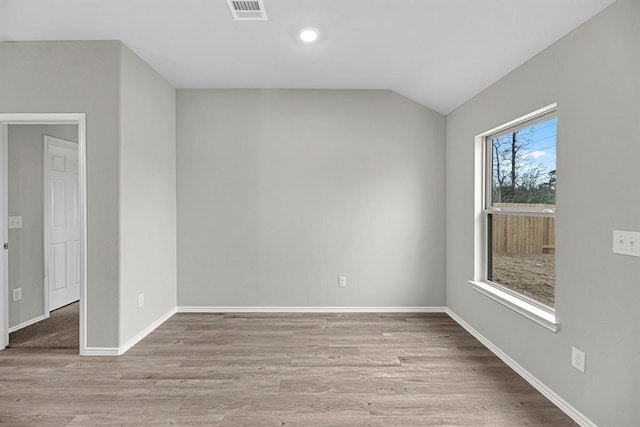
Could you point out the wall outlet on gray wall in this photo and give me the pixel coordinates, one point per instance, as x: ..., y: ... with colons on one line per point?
x: 578, y: 359
x: 342, y: 281
x: 17, y: 294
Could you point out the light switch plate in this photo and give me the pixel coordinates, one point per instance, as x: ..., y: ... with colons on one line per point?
x: 626, y: 243
x: 15, y: 222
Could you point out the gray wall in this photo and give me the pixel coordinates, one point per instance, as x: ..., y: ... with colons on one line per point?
x: 594, y: 75
x: 147, y: 195
x: 282, y: 191
x: 26, y: 259
x: 79, y: 77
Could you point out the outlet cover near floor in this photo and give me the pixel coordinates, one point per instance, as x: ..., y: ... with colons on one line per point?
x: 140, y: 300
x: 342, y: 281
x: 17, y: 294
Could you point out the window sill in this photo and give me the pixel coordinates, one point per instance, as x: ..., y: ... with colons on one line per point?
x: 530, y: 311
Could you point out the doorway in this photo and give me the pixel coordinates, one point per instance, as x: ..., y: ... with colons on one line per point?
x: 63, y: 249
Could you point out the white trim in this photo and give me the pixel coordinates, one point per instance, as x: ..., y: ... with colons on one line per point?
x: 40, y: 118
x: 27, y: 323
x: 82, y: 179
x: 118, y: 351
x: 146, y: 331
x: 4, y: 236
x: 45, y: 226
x: 538, y: 113
x: 519, y: 305
x: 263, y: 309
x: 572, y: 412
x: 479, y: 230
x: 79, y: 119
x: 100, y: 351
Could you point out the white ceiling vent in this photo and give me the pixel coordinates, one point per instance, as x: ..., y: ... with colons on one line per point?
x: 247, y: 10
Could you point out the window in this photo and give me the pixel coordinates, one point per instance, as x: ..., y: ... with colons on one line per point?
x: 517, y: 215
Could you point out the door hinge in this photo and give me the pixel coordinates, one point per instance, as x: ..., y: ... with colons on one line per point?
x: 6, y: 246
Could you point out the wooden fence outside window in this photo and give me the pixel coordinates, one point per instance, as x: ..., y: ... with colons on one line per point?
x: 523, y: 234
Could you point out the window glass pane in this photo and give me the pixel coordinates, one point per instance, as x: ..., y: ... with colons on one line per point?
x: 522, y: 255
x: 524, y: 166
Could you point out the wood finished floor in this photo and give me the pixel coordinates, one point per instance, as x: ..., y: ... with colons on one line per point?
x: 278, y: 370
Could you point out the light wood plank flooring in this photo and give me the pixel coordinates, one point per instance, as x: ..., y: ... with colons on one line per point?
x: 278, y: 370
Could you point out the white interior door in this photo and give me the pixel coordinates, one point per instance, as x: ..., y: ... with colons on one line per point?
x: 62, y: 222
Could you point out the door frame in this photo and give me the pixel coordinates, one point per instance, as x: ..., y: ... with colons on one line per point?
x: 60, y: 142
x: 79, y: 119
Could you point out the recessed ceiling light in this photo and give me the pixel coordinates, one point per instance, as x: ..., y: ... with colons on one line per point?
x: 308, y: 34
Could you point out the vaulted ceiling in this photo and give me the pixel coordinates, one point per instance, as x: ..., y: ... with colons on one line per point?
x: 439, y: 53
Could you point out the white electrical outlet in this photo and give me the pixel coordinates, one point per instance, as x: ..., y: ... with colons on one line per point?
x: 15, y: 222
x: 626, y: 242
x: 342, y: 281
x: 17, y: 294
x: 578, y: 359
x: 140, y: 300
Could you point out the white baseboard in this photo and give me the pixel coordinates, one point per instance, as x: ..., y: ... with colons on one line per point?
x: 263, y: 309
x: 118, y: 351
x: 27, y: 323
x: 572, y: 412
x: 100, y: 351
x: 146, y: 331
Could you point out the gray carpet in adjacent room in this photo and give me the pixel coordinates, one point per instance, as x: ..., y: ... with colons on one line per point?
x: 60, y: 330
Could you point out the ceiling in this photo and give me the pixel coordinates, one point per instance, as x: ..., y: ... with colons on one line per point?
x: 439, y: 53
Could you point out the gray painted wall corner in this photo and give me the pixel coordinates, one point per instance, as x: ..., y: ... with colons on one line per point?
x: 79, y: 77
x: 594, y: 75
x: 147, y: 196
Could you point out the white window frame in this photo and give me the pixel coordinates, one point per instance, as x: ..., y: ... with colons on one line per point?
x: 528, y: 307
